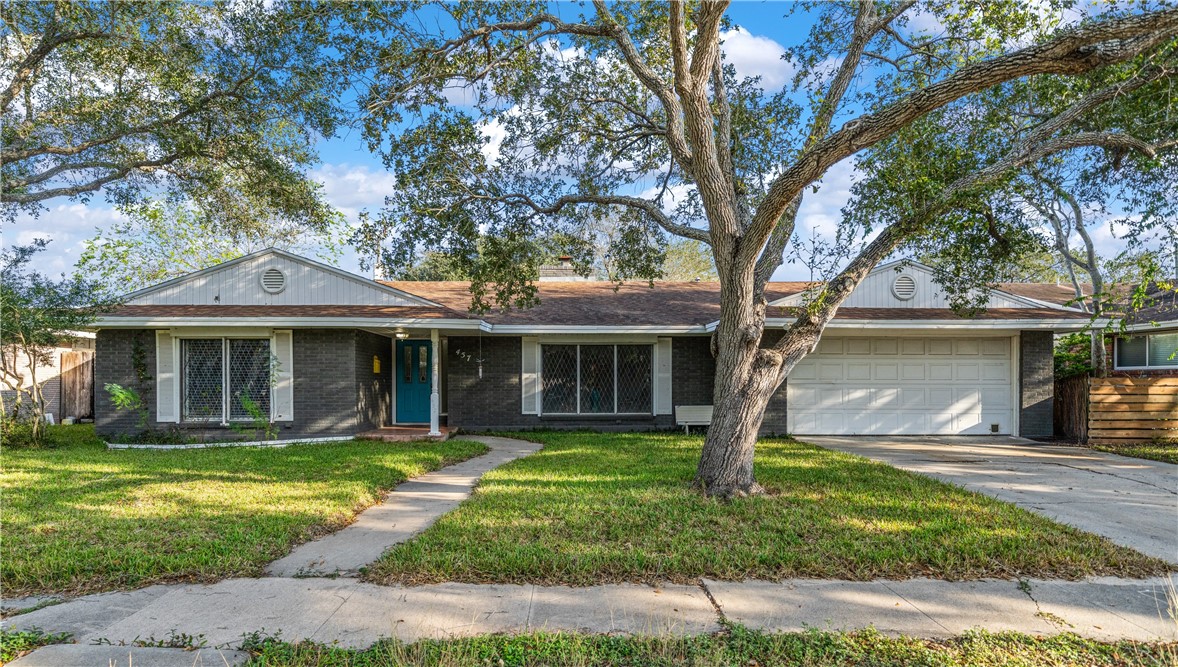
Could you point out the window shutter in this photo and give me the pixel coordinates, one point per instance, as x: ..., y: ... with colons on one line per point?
x: 282, y: 393
x: 530, y: 376
x: 662, y: 377
x: 167, y: 380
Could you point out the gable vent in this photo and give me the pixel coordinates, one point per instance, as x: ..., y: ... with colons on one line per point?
x: 904, y: 288
x: 273, y: 281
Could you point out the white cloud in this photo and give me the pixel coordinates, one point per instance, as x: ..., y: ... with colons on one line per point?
x: 755, y: 55
x: 496, y: 133
x: 68, y: 225
x: 676, y: 194
x: 351, y: 188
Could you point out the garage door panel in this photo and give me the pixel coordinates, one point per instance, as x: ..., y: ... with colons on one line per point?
x: 902, y: 385
x: 912, y: 370
x: 996, y: 347
x: 860, y: 346
x: 940, y: 347
x: 996, y: 397
x: 995, y: 370
x: 966, y: 347
x: 913, y: 398
x: 858, y: 370
x: 805, y: 370
x: 830, y: 346
x: 968, y: 371
x: 830, y: 371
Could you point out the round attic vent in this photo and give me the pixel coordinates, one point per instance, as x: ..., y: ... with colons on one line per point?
x: 273, y: 281
x: 904, y: 288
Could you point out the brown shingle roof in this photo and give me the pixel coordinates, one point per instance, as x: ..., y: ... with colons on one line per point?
x: 1051, y: 293
x: 670, y: 304
x: 589, y: 303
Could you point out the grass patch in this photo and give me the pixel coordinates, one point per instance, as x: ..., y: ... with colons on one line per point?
x: 593, y: 508
x: 1154, y: 451
x: 79, y: 518
x: 739, y: 646
x: 15, y: 643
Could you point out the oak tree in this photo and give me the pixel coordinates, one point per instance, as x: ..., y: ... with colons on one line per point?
x: 219, y: 103
x: 524, y: 119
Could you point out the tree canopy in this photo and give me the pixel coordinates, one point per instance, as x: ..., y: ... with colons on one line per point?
x: 219, y: 103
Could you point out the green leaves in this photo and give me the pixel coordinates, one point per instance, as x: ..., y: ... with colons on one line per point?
x: 218, y: 103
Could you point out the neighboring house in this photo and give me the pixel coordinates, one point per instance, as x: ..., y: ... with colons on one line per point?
x: 77, y: 353
x: 329, y: 353
x: 1149, y: 346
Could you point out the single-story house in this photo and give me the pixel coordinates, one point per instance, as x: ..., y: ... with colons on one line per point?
x: 328, y: 353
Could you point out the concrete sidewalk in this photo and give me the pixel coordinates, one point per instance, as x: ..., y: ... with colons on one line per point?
x: 1133, y: 502
x: 357, y: 614
x: 407, y: 510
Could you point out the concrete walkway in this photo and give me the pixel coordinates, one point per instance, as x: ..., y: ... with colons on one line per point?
x: 407, y: 510
x: 357, y: 614
x: 1133, y: 502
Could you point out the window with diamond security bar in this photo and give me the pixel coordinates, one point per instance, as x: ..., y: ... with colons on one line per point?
x: 596, y: 379
x: 223, y: 377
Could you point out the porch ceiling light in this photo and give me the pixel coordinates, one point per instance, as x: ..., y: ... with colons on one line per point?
x: 401, y: 333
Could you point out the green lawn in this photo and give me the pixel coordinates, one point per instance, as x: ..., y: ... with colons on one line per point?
x: 592, y: 508
x: 737, y: 647
x: 78, y: 518
x: 1157, y: 451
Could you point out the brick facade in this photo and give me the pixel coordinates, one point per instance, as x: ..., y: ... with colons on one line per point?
x: 114, y: 355
x: 373, y: 388
x: 1036, y: 375
x: 335, y: 393
x: 493, y: 402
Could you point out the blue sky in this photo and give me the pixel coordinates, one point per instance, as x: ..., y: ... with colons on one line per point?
x: 355, y: 180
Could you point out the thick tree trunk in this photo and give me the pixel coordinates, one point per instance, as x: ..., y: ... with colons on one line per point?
x: 741, y: 396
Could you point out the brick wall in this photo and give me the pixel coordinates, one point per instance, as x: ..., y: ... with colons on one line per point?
x: 493, y: 402
x: 1036, y: 383
x: 113, y: 364
x: 373, y: 389
x: 325, y: 391
x: 328, y: 400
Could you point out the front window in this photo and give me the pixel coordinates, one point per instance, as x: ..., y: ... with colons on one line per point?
x: 225, y: 379
x: 596, y: 379
x: 1148, y: 351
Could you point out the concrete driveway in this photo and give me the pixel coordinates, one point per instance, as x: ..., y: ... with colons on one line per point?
x: 1132, y: 502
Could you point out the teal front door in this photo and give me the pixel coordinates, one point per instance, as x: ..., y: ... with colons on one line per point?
x: 413, y: 381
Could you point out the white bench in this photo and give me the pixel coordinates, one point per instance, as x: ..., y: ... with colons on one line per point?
x: 693, y: 415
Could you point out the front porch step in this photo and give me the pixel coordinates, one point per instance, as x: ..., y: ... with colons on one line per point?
x: 404, y: 434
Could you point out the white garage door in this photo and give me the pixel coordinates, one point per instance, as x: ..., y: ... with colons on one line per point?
x: 910, y: 385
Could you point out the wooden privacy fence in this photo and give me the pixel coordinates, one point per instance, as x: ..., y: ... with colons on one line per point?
x: 1125, y: 410
x: 1071, y: 408
x: 77, y: 384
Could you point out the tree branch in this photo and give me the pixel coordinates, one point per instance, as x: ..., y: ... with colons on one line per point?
x: 1026, y: 152
x: 1075, y: 51
x: 676, y: 136
x: 645, y: 205
x: 7, y: 196
x: 50, y: 40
